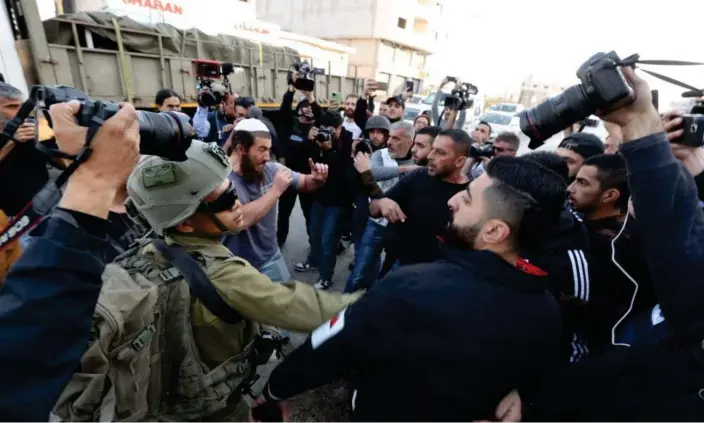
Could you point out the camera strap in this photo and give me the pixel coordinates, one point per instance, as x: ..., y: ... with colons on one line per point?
x: 693, y: 91
x: 49, y: 196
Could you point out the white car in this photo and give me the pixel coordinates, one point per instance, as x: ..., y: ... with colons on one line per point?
x: 509, y: 108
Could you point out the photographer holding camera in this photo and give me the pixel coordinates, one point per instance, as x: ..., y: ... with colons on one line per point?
x: 332, y: 201
x: 654, y: 369
x: 450, y: 112
x: 215, y: 125
x: 51, y: 292
x: 298, y: 134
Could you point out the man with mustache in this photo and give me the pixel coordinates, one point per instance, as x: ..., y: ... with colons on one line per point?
x: 444, y: 341
x: 260, y: 183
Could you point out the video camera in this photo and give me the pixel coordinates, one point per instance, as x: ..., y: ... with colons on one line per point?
x: 211, y: 91
x: 461, y: 97
x: 480, y: 151
x: 306, y: 76
x: 603, y: 88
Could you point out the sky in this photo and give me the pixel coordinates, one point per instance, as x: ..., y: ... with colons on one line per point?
x: 494, y: 43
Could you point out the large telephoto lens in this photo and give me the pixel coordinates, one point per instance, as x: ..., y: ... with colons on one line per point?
x: 167, y: 134
x: 555, y: 114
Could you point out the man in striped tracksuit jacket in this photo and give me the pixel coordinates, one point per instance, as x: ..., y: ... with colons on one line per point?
x: 570, y: 284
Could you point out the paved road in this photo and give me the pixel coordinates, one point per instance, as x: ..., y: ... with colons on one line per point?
x: 296, y: 250
x: 327, y: 403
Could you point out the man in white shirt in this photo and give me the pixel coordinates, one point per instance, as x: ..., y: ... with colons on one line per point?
x: 349, y: 123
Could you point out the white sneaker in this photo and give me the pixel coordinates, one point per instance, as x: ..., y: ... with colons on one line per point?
x: 323, y: 284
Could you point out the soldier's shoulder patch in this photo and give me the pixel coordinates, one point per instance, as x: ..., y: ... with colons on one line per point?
x: 328, y: 329
x: 159, y: 176
x: 218, y: 153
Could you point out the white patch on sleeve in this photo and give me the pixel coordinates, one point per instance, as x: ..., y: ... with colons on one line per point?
x: 656, y: 316
x: 328, y: 329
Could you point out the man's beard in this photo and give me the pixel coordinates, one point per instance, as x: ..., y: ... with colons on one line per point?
x: 422, y: 162
x: 460, y: 238
x: 249, y: 172
x: 349, y: 113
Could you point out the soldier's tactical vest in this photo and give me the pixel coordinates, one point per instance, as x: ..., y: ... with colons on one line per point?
x: 142, y: 363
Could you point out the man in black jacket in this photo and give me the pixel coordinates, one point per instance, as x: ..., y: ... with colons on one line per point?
x: 445, y: 341
x: 331, y: 202
x: 297, y: 135
x: 656, y: 373
x: 600, y: 192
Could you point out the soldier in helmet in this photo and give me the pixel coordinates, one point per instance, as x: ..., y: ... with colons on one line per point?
x: 193, y: 205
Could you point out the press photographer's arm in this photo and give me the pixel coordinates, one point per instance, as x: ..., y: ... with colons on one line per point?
x: 47, y: 303
x: 668, y: 215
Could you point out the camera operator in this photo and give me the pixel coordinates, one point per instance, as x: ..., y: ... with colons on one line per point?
x: 167, y: 101
x: 50, y: 294
x: 215, y: 126
x: 655, y: 371
x: 298, y: 141
x: 487, y: 324
x: 449, y: 114
x: 331, y: 202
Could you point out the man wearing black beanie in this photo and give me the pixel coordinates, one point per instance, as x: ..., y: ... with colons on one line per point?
x: 578, y: 147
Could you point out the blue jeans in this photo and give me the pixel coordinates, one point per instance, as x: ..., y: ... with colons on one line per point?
x: 325, y: 227
x: 367, y: 257
x: 276, y: 269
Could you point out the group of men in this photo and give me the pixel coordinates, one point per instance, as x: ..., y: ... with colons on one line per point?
x: 511, y: 287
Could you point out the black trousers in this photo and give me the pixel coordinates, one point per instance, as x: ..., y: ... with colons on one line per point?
x: 286, y: 204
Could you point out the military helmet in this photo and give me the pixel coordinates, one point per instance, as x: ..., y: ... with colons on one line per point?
x: 378, y: 122
x: 166, y: 193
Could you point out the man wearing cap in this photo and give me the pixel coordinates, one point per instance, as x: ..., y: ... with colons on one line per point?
x: 259, y: 184
x: 297, y: 141
x: 578, y: 147
x: 397, y: 106
x: 193, y: 204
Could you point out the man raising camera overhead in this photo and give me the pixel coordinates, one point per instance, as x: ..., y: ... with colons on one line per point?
x: 216, y: 125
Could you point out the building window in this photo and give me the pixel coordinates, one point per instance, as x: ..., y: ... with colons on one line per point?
x: 401, y: 23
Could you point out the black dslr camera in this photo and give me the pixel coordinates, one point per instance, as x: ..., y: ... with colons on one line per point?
x: 603, y: 88
x: 461, y: 97
x: 165, y: 134
x: 480, y: 151
x: 211, y: 91
x: 324, y: 135
x: 306, y: 76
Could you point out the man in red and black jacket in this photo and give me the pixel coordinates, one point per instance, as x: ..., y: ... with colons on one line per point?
x: 451, y: 349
